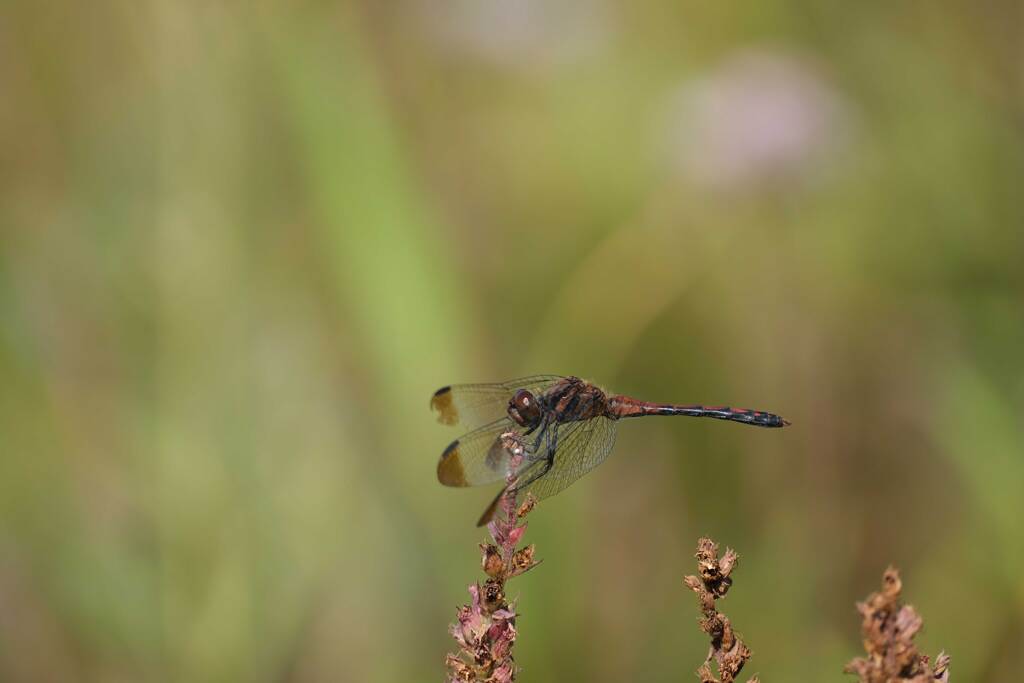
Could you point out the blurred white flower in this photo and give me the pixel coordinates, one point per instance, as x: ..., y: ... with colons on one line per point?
x: 760, y: 118
x: 520, y: 33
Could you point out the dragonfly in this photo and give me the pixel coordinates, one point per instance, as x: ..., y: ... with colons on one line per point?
x: 542, y: 433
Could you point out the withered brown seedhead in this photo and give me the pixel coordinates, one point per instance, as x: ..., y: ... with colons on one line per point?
x: 888, y: 629
x: 714, y: 573
x: 527, y: 506
x: 523, y: 560
x: 482, y: 655
x: 457, y: 669
x: 491, y: 561
x: 493, y: 594
x: 727, y: 649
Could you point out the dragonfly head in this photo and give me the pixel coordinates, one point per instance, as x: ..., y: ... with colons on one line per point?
x: 524, y: 409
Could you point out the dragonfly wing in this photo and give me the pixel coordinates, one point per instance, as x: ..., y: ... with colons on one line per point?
x: 475, y: 404
x: 482, y: 456
x: 579, y: 448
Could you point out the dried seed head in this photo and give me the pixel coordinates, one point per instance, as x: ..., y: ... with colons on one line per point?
x: 482, y: 655
x: 493, y: 595
x: 728, y: 651
x: 527, y: 506
x: 523, y: 560
x: 891, y: 583
x: 459, y: 671
x: 491, y: 560
x: 728, y: 562
x: 503, y: 674
x: 888, y: 629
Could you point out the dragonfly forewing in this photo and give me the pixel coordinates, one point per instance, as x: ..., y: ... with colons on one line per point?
x: 476, y: 404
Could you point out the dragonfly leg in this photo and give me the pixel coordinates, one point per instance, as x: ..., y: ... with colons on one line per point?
x: 534, y: 476
x: 514, y: 489
x: 538, y: 462
x: 548, y: 460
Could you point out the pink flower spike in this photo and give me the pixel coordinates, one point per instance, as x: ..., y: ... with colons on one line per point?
x: 497, y: 530
x: 515, y: 535
x: 470, y: 629
x: 474, y: 592
x: 503, y: 674
x: 505, y: 614
x: 501, y: 647
x: 458, y: 632
x: 485, y: 630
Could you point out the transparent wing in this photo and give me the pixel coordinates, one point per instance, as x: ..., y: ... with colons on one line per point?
x: 476, y: 404
x: 483, y: 456
x: 579, y: 448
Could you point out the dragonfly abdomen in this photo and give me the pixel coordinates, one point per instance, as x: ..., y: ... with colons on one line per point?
x: 623, y: 406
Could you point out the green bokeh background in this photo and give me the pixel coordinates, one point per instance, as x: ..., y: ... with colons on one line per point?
x: 242, y: 243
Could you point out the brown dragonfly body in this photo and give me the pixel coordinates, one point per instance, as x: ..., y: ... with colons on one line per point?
x: 562, y: 427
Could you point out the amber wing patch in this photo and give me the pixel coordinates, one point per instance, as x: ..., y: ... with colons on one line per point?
x: 442, y: 402
x: 450, y: 471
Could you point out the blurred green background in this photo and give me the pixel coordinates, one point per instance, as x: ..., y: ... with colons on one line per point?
x: 244, y: 242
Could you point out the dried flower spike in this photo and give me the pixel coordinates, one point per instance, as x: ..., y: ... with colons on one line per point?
x: 727, y: 649
x: 485, y: 629
x: 888, y: 629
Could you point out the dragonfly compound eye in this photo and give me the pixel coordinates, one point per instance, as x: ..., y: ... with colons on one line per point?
x: 524, y: 409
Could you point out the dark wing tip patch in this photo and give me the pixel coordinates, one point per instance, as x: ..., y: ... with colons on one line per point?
x: 442, y: 402
x: 449, y: 468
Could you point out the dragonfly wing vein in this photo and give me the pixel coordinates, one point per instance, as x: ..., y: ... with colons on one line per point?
x: 580, y: 447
